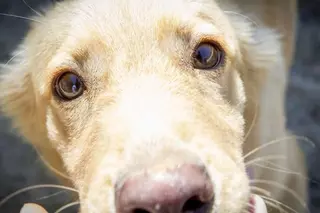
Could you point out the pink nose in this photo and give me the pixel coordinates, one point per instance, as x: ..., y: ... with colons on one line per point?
x: 186, y: 189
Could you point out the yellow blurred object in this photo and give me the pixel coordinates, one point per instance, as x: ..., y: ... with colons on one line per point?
x: 32, y: 208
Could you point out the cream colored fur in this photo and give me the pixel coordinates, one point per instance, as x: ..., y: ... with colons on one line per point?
x: 146, y: 108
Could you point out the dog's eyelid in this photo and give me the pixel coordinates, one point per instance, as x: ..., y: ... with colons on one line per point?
x: 209, y: 38
x: 59, y: 71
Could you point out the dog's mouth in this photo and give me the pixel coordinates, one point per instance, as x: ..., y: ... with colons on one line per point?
x: 256, y: 205
x: 252, y: 205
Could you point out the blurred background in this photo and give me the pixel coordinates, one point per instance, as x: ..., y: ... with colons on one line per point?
x: 21, y: 167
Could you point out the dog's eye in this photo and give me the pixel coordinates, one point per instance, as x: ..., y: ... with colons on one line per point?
x: 207, y: 56
x: 69, y: 86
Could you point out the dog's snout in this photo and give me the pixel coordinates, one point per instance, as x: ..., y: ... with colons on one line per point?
x: 187, y: 188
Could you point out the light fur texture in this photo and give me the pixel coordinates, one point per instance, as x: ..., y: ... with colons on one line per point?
x: 145, y: 107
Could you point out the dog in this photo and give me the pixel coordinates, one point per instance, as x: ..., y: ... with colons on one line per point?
x: 161, y: 106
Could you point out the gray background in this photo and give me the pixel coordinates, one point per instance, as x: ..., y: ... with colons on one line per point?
x: 20, y: 167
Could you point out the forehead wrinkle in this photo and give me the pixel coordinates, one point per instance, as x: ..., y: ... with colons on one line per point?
x: 168, y: 25
x: 80, y: 56
x: 90, y: 49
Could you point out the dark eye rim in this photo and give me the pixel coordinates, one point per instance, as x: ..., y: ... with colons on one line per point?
x: 56, y: 88
x: 218, y: 47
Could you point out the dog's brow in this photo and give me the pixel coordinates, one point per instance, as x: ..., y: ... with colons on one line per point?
x: 167, y: 25
x: 80, y: 56
x: 205, y: 17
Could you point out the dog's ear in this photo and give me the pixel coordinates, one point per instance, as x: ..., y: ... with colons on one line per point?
x: 17, y: 99
x: 261, y: 60
x: 260, y: 55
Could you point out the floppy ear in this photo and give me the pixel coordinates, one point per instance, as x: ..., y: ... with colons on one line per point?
x: 17, y: 98
x: 263, y: 70
x: 18, y: 101
x: 274, y: 14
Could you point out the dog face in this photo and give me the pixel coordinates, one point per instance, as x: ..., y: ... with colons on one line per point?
x: 143, y: 102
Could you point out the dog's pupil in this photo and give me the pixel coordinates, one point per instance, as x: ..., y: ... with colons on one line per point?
x: 207, y: 56
x: 204, y: 54
x: 70, y: 83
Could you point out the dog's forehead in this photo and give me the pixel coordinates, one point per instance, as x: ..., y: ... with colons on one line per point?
x: 142, y: 11
x: 137, y: 26
x: 144, y: 19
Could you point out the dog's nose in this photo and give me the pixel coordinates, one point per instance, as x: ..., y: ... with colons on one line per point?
x: 185, y: 189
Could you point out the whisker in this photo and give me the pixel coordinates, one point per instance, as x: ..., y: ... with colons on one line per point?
x: 6, y: 199
x: 286, y: 172
x: 67, y: 206
x: 278, y: 170
x: 262, y: 191
x: 269, y: 203
x: 253, y: 122
x: 275, y: 205
x: 21, y: 17
x: 276, y: 141
x: 281, y: 204
x: 293, y: 173
x: 36, y: 12
x: 52, y: 195
x: 244, y: 16
x: 11, y: 59
x: 293, y: 193
x: 275, y: 165
x: 269, y: 157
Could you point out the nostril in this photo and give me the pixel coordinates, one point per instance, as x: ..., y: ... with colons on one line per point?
x: 185, y: 189
x: 140, y: 211
x: 195, y: 205
x: 192, y: 205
